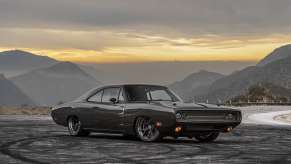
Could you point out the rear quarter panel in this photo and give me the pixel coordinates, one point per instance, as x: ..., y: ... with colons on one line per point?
x: 61, y: 113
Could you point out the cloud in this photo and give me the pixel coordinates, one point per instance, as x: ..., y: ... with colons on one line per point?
x: 102, y: 40
x: 146, y: 29
x: 64, y: 39
x: 185, y: 17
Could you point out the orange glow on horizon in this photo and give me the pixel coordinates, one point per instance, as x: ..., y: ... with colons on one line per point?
x: 162, y: 49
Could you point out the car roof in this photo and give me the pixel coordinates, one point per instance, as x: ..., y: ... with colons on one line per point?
x: 119, y: 85
x: 151, y: 85
x: 93, y: 90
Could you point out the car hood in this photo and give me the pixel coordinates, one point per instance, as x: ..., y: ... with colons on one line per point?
x: 191, y: 106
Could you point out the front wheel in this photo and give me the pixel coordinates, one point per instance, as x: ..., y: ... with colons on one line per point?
x: 207, y: 137
x: 146, y: 130
x: 75, y: 127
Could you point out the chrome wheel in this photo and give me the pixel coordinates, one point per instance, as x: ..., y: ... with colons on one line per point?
x: 146, y: 130
x: 75, y: 127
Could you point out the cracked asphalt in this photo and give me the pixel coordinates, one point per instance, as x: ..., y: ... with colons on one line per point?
x: 41, y: 141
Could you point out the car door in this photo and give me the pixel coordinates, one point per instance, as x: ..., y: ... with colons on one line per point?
x: 91, y: 115
x: 112, y: 111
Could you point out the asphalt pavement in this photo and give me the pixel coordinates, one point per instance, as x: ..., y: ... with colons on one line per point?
x: 41, y: 141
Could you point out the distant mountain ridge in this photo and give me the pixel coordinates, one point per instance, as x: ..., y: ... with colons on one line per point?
x: 279, y: 53
x: 11, y: 95
x: 277, y: 73
x: 61, y: 82
x: 52, y: 81
x: 16, y: 62
x: 195, y: 84
x: 274, y: 69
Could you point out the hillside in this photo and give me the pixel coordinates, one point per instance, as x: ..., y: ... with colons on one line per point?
x: 17, y: 62
x: 61, y: 82
x: 11, y: 95
x: 277, y: 73
x: 279, y: 53
x: 263, y: 93
x: 195, y: 84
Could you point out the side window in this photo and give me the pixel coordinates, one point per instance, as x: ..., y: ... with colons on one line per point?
x: 97, y: 97
x: 110, y: 93
x: 137, y: 93
x: 160, y: 95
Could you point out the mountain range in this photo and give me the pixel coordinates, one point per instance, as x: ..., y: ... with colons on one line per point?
x: 195, y: 84
x: 41, y: 80
x: 274, y: 69
x: 277, y: 73
x: 16, y: 62
x: 10, y: 94
x: 279, y: 53
x: 59, y: 83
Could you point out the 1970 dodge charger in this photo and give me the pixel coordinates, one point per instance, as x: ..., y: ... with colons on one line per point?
x: 148, y: 112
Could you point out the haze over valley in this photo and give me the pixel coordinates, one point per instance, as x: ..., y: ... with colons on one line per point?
x: 44, y: 81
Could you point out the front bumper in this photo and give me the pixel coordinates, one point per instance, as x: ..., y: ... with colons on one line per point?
x: 190, y: 128
x: 192, y: 122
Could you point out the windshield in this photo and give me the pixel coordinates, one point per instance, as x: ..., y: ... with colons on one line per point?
x: 149, y: 93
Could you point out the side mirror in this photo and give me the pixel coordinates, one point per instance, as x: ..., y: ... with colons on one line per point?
x: 113, y: 100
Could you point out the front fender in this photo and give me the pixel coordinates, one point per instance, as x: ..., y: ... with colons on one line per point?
x: 166, y: 118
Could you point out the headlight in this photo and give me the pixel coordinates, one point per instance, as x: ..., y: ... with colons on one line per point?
x: 229, y: 117
x: 178, y: 116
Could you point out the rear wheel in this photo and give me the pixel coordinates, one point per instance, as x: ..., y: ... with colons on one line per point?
x: 75, y: 127
x: 146, y: 130
x: 207, y: 137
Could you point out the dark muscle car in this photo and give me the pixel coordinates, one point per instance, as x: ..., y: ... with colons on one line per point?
x: 148, y: 112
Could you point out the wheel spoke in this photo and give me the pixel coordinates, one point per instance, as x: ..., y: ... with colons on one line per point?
x: 146, y: 129
x: 74, y: 125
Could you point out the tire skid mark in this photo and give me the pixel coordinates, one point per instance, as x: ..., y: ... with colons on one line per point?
x: 203, y: 151
x: 252, y: 144
x: 5, y: 149
x: 130, y: 160
x: 185, y: 155
x: 24, y: 143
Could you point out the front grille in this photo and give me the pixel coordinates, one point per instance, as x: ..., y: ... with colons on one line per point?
x: 203, y: 117
x: 209, y: 115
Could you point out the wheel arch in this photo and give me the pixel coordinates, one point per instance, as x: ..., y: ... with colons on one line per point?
x: 69, y: 116
x: 167, y: 119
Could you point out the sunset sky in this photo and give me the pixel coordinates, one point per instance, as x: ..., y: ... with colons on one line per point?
x: 110, y: 31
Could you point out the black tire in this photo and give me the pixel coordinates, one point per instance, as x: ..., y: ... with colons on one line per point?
x: 207, y: 137
x: 146, y: 130
x: 75, y: 127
